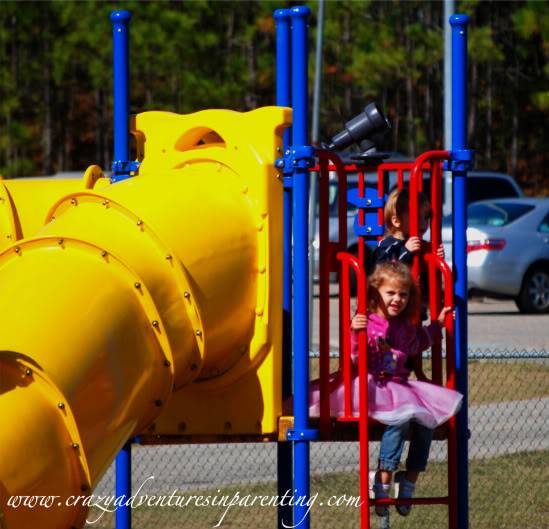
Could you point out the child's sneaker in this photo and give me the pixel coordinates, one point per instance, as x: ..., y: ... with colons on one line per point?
x: 378, y: 491
x: 403, y: 489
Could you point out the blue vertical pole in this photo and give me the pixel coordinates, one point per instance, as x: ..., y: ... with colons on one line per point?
x: 120, y: 31
x: 124, y: 486
x: 459, y: 186
x: 283, y: 99
x: 283, y: 64
x: 299, y: 16
x: 120, y: 21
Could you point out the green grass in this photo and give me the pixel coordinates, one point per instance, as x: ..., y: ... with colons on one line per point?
x: 501, y: 381
x: 506, y: 492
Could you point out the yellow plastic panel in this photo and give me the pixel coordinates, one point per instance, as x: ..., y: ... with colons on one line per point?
x: 41, y: 425
x: 245, y: 159
x: 25, y: 201
x: 175, y: 274
x: 108, y: 224
x: 92, y: 333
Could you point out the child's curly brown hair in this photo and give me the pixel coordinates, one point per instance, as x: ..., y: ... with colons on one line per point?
x: 396, y: 271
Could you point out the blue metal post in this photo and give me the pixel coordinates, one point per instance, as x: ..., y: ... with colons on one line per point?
x: 120, y: 32
x: 283, y: 64
x: 283, y: 98
x: 299, y: 16
x: 120, y: 21
x: 124, y: 486
x: 459, y: 186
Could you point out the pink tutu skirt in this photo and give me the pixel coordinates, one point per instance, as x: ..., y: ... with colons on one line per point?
x: 391, y: 402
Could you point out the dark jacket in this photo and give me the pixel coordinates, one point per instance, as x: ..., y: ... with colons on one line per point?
x: 392, y: 249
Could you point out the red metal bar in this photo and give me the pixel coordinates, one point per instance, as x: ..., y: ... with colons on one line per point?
x: 324, y: 294
x: 380, y: 192
x: 434, y: 500
x: 416, y: 179
x: 328, y: 161
x: 450, y: 383
x: 344, y: 302
x: 436, y: 204
x: 361, y: 217
x: 342, y: 233
x: 414, y: 212
x: 434, y: 275
x: 348, y: 260
x: 442, y: 265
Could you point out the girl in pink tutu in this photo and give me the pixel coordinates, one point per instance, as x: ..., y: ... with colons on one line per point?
x: 403, y: 405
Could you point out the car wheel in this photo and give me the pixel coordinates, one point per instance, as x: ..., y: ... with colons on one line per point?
x: 534, y: 293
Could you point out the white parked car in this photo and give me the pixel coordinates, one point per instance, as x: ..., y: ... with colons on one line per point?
x: 507, y: 250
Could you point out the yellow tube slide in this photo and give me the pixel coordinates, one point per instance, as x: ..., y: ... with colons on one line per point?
x: 128, y: 292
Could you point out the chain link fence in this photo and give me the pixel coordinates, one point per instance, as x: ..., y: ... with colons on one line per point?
x: 190, y: 486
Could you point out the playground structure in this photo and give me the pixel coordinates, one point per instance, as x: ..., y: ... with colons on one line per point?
x: 160, y: 292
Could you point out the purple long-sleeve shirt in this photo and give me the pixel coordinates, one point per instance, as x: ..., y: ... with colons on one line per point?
x: 391, y: 342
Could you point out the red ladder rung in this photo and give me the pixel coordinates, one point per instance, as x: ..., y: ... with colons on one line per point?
x: 434, y: 500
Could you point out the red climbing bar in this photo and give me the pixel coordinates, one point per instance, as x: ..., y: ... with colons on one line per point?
x: 350, y: 261
x: 416, y: 184
x: 328, y: 162
x: 324, y: 292
x: 450, y: 383
x: 434, y: 274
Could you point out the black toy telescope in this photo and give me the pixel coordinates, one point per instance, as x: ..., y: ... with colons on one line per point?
x: 367, y: 130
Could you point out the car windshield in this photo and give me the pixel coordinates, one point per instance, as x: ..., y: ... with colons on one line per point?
x: 494, y: 214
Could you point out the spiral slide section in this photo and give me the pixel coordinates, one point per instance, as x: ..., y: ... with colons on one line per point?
x: 126, y: 293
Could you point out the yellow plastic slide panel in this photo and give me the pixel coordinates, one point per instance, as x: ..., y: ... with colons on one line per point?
x: 212, y: 247
x: 106, y: 223
x: 25, y: 201
x: 87, y: 321
x: 251, y: 406
x: 31, y: 198
x: 211, y: 227
x: 41, y: 459
x: 211, y: 154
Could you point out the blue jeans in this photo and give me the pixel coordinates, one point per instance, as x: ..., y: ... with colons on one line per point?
x: 392, y: 444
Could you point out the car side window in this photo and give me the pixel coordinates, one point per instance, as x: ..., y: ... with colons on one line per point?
x: 544, y: 226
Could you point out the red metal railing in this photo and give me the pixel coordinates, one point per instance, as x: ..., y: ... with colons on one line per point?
x: 332, y: 258
x: 430, y: 162
x: 327, y: 263
x: 350, y: 261
x: 435, y: 261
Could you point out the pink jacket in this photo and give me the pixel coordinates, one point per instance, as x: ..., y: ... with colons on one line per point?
x: 391, y: 342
